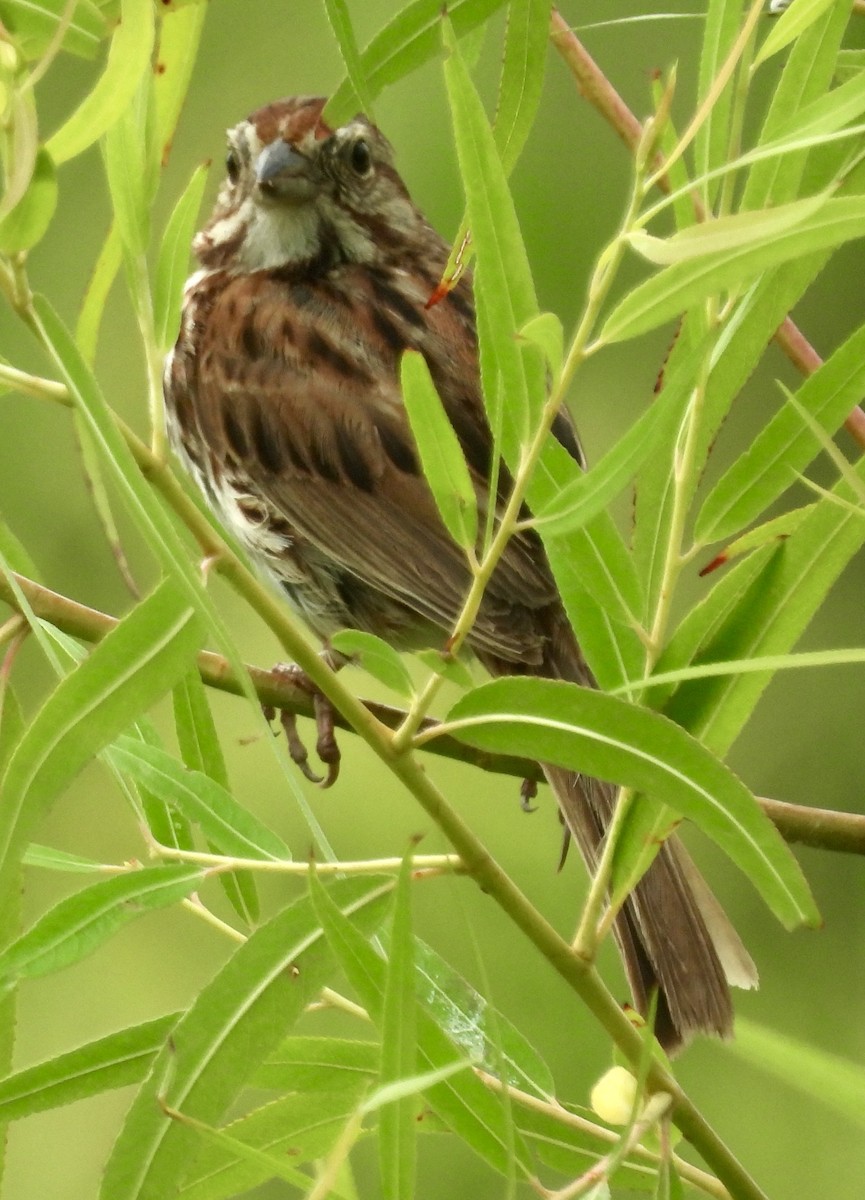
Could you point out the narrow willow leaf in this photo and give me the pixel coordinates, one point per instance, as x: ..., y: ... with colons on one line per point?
x: 725, y: 234
x: 807, y: 76
x: 11, y: 888
x: 402, y: 1089
x: 110, y: 1062
x: 201, y: 751
x: 48, y: 859
x: 266, y: 1164
x: 790, y: 25
x: 760, y: 535
x: 126, y: 673
x: 128, y: 59
x: 441, y: 455
x: 376, y: 657
x: 828, y: 113
x: 769, y: 618
x: 310, y: 1064
x: 719, y: 34
x: 454, y: 669
x: 84, y: 921
x: 824, y: 1077
x: 503, y: 285
x: 545, y: 331
x: 179, y: 35
x: 410, y: 39
x: 22, y: 148
x: 96, y: 296
x: 172, y: 266
x: 592, y: 492
x: 132, y: 169
x: 233, y: 1025
x: 340, y: 22
x: 484, y: 1034
x: 397, y: 1122
x: 606, y: 737
x: 28, y: 221
x: 15, y: 555
x: 769, y: 465
x: 231, y: 829
x: 679, y: 287
x: 293, y: 1129
x: 462, y: 1101
x: 35, y: 25
x: 522, y: 76
x: 572, y: 1148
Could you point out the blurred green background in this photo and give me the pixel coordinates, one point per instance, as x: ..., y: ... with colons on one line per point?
x: 803, y: 745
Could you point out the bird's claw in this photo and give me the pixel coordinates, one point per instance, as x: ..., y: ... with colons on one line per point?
x: 528, y: 791
x: 326, y: 745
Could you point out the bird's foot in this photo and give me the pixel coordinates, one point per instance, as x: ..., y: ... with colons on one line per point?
x: 325, y: 745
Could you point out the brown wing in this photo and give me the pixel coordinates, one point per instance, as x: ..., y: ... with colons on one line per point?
x: 295, y: 390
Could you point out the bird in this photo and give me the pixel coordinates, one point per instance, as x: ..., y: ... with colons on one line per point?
x: 316, y: 272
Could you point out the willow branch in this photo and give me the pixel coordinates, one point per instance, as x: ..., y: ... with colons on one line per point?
x: 600, y: 93
x: 823, y: 829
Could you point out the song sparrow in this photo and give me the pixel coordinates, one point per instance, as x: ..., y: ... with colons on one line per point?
x: 284, y: 404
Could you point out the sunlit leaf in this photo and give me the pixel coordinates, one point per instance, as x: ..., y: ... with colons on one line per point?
x: 235, y: 1022
x: 128, y: 59
x: 397, y: 1121
x: 790, y: 25
x: 26, y: 224
x: 172, y: 266
x: 82, y: 922
x: 110, y: 1062
x: 375, y: 656
x: 603, y: 736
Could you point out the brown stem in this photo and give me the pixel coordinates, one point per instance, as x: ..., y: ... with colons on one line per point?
x: 823, y: 829
x: 597, y: 89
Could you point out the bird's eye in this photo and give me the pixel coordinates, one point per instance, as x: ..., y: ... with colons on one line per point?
x: 232, y: 167
x: 361, y: 158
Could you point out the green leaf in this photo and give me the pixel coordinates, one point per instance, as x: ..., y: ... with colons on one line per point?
x: 340, y: 23
x: 591, y: 493
x: 683, y: 285
x: 179, y: 35
x: 806, y: 77
x: 476, y: 1027
x: 376, y: 657
x: 611, y: 739
x: 291, y: 1130
x: 132, y: 168
x: 724, y: 234
x: 504, y: 291
x: 790, y: 25
x: 834, y: 1082
x: 201, y: 751
x: 769, y: 617
x: 22, y: 147
x: 719, y: 35
x: 172, y: 266
x: 26, y: 224
x: 397, y: 1122
x: 462, y: 1101
x: 761, y: 535
x: 46, y: 858
x: 769, y: 465
x: 522, y: 78
x: 454, y: 669
x: 238, y: 1019
x: 410, y: 39
x: 310, y: 1064
x: 96, y: 297
x: 84, y: 921
x: 545, y: 331
x: 110, y: 1062
x: 229, y: 827
x: 34, y: 25
x: 105, y: 103
x: 126, y: 673
x: 444, y: 465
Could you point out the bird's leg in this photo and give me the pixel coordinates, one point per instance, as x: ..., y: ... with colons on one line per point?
x: 325, y: 746
x: 528, y: 791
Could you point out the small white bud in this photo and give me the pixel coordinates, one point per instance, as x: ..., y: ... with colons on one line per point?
x: 613, y: 1096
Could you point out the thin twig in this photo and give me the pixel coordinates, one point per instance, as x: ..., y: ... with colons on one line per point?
x: 821, y: 828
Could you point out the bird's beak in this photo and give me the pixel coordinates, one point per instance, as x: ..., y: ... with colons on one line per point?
x: 283, y: 173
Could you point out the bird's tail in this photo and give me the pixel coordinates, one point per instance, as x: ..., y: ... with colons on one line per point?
x: 673, y: 934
